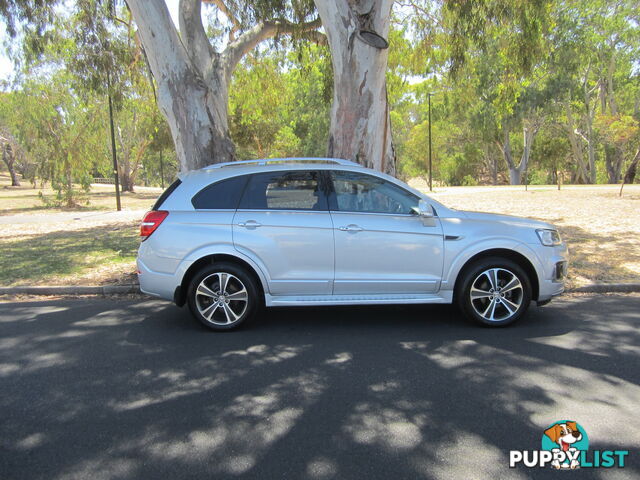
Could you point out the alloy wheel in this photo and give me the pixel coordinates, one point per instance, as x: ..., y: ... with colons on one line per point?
x: 496, y: 294
x: 222, y: 298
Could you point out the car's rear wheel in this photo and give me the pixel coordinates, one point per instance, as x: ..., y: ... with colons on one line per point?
x: 494, y: 291
x: 223, y: 296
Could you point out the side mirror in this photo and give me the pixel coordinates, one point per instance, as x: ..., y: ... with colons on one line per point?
x: 424, y: 209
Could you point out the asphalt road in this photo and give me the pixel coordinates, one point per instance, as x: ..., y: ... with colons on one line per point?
x: 132, y: 389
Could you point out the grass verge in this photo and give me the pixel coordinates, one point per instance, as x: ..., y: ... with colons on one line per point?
x: 89, y: 256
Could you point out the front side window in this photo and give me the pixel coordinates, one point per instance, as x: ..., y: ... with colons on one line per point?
x: 358, y: 192
x: 284, y: 191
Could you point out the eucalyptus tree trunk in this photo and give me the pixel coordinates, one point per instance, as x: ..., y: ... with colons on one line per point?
x: 360, y: 123
x: 614, y: 154
x: 581, y: 173
x: 192, y: 93
x: 530, y: 130
x: 588, y: 118
x: 630, y: 175
x: 9, y: 158
x: 193, y: 78
x: 614, y: 160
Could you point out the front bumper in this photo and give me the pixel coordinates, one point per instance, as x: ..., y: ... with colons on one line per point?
x: 552, y: 277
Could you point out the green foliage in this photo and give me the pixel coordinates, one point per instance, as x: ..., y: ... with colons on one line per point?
x: 59, y: 131
x: 279, y: 103
x: 565, y: 66
x: 518, y: 27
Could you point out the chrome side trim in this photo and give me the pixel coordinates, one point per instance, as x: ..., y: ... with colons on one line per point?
x: 318, y: 300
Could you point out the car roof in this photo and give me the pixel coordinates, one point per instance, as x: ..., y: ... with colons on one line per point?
x: 220, y: 171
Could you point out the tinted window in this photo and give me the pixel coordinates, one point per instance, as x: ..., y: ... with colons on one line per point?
x: 165, y: 195
x: 284, y: 191
x: 222, y: 195
x: 358, y: 192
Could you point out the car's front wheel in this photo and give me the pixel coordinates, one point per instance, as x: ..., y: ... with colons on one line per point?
x: 222, y: 296
x: 494, y: 292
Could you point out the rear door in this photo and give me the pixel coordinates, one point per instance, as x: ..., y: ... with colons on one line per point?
x: 381, y: 245
x: 283, y: 222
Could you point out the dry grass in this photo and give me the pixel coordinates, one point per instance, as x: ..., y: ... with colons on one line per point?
x: 25, y: 200
x: 601, y: 228
x: 66, y: 253
x: 80, y: 246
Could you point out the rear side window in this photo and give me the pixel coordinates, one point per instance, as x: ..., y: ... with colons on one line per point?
x: 166, y: 194
x: 285, y: 191
x: 222, y: 195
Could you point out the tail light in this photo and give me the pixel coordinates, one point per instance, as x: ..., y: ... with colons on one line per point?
x: 151, y: 222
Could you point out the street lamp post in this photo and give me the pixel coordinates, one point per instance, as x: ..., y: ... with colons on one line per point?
x: 113, y: 146
x: 430, y: 164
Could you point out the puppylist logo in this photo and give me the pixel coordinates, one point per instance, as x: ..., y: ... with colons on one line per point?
x: 565, y: 445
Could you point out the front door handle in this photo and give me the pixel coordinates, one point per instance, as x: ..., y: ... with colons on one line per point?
x: 250, y: 224
x: 351, y: 228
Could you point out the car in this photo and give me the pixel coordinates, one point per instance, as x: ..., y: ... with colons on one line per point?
x: 235, y: 237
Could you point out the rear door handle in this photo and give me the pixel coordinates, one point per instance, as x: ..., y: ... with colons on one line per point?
x: 250, y: 224
x: 351, y: 228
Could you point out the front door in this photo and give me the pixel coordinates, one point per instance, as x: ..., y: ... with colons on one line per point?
x: 283, y: 223
x: 381, y: 245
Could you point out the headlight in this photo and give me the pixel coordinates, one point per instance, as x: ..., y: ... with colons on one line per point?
x: 549, y: 238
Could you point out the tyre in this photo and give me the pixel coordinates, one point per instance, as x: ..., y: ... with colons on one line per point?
x: 223, y: 296
x: 494, y: 291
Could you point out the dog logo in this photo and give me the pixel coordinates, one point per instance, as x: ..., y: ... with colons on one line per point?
x: 566, y: 440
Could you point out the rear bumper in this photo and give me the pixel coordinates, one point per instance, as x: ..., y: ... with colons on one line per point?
x: 158, y: 284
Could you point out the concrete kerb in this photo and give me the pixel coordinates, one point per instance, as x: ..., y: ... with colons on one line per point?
x: 70, y: 290
x: 134, y: 288
x: 607, y: 288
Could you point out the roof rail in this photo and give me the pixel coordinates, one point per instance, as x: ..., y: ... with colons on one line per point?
x: 267, y: 161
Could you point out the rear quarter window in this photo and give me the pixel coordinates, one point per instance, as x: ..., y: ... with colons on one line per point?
x: 222, y: 195
x: 166, y: 194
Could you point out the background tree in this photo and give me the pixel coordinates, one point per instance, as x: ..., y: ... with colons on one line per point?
x: 10, y: 150
x: 279, y: 102
x: 193, y: 76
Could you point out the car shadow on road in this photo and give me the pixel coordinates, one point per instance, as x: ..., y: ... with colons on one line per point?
x: 138, y: 389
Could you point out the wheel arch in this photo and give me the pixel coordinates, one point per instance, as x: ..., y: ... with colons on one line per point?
x: 180, y: 294
x: 521, y: 260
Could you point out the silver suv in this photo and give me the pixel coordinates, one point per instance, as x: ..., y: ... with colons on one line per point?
x: 232, y: 238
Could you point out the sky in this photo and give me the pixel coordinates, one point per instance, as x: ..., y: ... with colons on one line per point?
x: 6, y: 65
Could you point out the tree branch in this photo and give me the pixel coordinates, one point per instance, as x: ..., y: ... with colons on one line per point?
x: 316, y: 37
x: 193, y: 35
x: 230, y: 16
x: 154, y: 23
x: 263, y: 30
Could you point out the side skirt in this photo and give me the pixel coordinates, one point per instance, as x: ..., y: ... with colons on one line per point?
x: 308, y: 300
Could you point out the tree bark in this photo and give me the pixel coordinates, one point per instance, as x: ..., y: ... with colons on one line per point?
x: 630, y: 175
x: 614, y: 160
x: 530, y: 129
x: 360, y: 123
x: 581, y: 175
x: 191, y: 92
x: 588, y: 119
x: 9, y: 158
